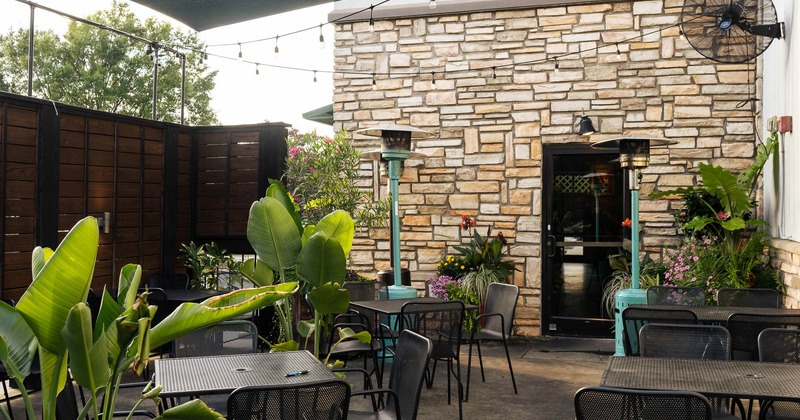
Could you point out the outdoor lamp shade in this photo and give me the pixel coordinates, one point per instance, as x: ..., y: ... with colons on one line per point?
x: 634, y: 152
x: 585, y: 126
x: 395, y: 137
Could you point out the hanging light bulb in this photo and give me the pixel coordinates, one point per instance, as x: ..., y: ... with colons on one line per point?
x: 257, y: 72
x: 374, y: 84
x: 240, y: 52
x: 682, y: 36
x: 205, y: 55
x: 433, y: 80
x: 494, y: 72
x: 321, y: 38
x: 619, y: 55
x: 315, y: 76
x: 432, y: 4
x: 556, y: 69
x: 371, y: 19
x: 276, y: 43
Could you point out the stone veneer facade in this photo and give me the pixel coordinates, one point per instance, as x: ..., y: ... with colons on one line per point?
x: 486, y: 160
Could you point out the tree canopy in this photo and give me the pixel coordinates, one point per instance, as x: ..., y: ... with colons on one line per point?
x: 95, y: 68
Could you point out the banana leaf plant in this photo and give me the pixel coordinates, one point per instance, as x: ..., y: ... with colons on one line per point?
x: 315, y: 255
x: 52, y: 320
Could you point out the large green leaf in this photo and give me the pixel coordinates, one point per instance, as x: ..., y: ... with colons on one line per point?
x: 258, y: 272
x: 88, y: 360
x: 17, y: 342
x: 53, y: 368
x: 339, y: 225
x: 189, y: 317
x: 322, y: 260
x: 734, y: 223
x: 39, y: 258
x: 277, y: 191
x: 194, y: 409
x: 62, y: 282
x: 129, y: 278
x: 698, y: 223
x: 329, y: 299
x: 273, y: 234
x: 723, y: 185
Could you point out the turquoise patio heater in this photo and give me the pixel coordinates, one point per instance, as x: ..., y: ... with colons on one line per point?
x: 634, y: 155
x: 396, y: 148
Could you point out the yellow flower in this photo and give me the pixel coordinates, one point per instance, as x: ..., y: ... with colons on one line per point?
x: 462, y: 267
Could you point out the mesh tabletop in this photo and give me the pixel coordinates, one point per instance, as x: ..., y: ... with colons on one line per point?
x: 720, y: 314
x: 721, y: 378
x: 394, y: 307
x: 192, y: 376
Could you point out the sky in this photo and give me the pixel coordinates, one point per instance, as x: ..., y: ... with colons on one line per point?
x: 240, y: 96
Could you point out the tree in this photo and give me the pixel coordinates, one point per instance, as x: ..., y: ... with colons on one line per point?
x: 98, y: 69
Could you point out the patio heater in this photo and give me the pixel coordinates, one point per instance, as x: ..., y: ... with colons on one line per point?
x: 634, y: 155
x: 395, y: 148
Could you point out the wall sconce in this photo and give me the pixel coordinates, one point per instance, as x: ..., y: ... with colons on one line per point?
x: 585, y: 126
x: 104, y: 222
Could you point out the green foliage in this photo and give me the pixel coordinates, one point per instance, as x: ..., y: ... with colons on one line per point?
x: 206, y: 261
x: 97, y: 69
x: 322, y: 173
x: 452, y: 266
x: 650, y: 274
x: 59, y: 326
x: 484, y: 261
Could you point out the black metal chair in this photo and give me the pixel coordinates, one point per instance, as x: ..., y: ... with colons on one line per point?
x: 168, y: 281
x: 745, y: 328
x: 442, y: 323
x: 405, y: 380
x: 756, y: 298
x: 367, y: 290
x: 498, y: 321
x: 320, y: 400
x: 601, y: 403
x: 229, y: 337
x: 355, y: 348
x: 633, y: 319
x: 779, y: 345
x: 668, y: 295
x: 708, y: 342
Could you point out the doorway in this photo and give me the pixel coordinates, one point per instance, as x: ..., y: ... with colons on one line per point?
x: 584, y: 203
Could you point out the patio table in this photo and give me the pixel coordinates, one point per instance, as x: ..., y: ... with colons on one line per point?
x: 195, y: 376
x: 712, y: 378
x: 178, y: 296
x: 720, y: 314
x: 394, y: 307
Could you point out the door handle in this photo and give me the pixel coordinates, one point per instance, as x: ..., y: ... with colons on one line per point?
x: 551, y: 245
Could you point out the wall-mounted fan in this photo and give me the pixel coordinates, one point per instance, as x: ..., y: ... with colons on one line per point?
x: 730, y: 31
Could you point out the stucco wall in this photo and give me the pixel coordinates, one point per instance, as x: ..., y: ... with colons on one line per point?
x: 487, y: 157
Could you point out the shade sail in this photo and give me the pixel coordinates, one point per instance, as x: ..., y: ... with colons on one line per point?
x: 206, y: 14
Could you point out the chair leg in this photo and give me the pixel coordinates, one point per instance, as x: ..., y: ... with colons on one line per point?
x: 8, y: 400
x: 457, y: 374
x: 469, y: 370
x: 510, y: 369
x: 480, y: 360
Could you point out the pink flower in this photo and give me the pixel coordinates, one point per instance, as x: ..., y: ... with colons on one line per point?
x: 294, y: 151
x: 723, y: 216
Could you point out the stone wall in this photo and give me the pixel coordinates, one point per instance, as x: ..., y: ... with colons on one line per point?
x: 492, y: 124
x: 786, y: 259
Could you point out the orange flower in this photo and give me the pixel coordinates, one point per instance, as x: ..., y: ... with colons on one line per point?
x: 627, y: 223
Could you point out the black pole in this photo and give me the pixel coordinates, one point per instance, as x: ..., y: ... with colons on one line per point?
x: 155, y: 78
x: 183, y: 85
x: 30, y: 52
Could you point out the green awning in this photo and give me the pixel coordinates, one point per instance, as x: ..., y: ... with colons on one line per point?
x: 322, y: 115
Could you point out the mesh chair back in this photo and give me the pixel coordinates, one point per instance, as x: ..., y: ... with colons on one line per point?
x: 599, y: 403
x: 500, y: 299
x: 229, y: 337
x: 756, y: 298
x: 685, y: 341
x: 779, y: 345
x: 441, y: 322
x: 745, y: 328
x: 367, y: 290
x: 633, y: 319
x: 667, y: 295
x: 408, y: 371
x: 321, y: 400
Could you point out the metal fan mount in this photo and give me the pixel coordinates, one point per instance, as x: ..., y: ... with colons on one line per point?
x: 730, y: 31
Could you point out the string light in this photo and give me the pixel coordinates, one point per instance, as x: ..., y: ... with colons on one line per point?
x: 432, y: 4
x: 556, y: 71
x: 374, y: 84
x: 371, y: 19
x: 619, y: 55
x: 315, y: 76
x: 276, y: 43
x: 240, y: 52
x: 494, y: 72
x: 321, y: 38
x: 257, y: 72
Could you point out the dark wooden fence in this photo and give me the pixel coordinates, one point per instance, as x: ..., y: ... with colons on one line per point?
x: 159, y: 185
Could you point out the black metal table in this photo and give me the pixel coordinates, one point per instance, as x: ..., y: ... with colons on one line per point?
x: 196, y: 376
x: 395, y: 307
x: 720, y: 314
x: 713, y: 378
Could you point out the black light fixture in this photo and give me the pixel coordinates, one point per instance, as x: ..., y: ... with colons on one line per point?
x: 585, y: 126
